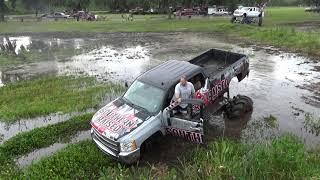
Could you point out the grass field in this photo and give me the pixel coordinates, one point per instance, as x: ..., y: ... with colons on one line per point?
x: 26, y: 142
x: 283, y: 158
x: 275, y: 30
x: 33, y: 98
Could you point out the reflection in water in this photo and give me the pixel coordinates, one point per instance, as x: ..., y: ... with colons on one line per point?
x: 9, y: 130
x: 20, y: 41
x: 108, y: 63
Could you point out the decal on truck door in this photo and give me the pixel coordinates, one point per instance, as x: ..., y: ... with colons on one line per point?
x: 218, y: 87
x: 191, y: 136
x: 208, y: 96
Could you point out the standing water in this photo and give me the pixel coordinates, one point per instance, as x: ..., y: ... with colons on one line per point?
x: 284, y: 85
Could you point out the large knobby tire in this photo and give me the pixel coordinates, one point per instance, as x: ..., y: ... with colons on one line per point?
x: 260, y: 21
x: 233, y: 19
x: 244, y: 19
x: 238, y: 107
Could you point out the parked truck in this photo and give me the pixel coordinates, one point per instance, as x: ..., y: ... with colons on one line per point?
x: 248, y: 15
x: 122, y: 128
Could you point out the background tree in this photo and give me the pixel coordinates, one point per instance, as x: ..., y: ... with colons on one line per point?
x: 34, y: 5
x: 13, y: 4
x: 3, y: 9
x: 313, y: 2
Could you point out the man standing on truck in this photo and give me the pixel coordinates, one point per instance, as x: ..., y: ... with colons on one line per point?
x: 183, y: 90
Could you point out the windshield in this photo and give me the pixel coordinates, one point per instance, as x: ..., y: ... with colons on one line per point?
x: 145, y: 96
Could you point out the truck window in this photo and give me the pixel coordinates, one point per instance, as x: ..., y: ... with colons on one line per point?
x: 198, y: 81
x: 145, y: 96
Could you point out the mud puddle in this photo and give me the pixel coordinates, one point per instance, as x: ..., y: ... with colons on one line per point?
x: 278, y: 82
x: 44, y: 152
x: 9, y: 130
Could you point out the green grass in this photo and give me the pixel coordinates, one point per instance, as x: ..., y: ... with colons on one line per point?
x: 37, y: 138
x: 280, y: 15
x: 283, y: 158
x: 80, y: 161
x: 27, y: 99
x: 276, y: 30
x: 8, y: 59
x: 155, y: 23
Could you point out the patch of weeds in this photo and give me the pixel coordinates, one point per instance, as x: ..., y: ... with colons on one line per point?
x: 27, y: 99
x: 85, y: 161
x: 260, y: 130
x: 78, y: 161
x: 37, y: 138
x: 312, y: 124
x: 7, y: 167
x: 283, y: 158
x: 271, y: 121
x: 154, y: 171
x: 1, y: 137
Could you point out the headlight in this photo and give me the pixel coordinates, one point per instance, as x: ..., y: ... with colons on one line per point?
x: 128, y: 146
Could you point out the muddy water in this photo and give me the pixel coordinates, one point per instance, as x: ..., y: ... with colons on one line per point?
x: 281, y: 84
x: 10, y: 130
x: 40, y: 153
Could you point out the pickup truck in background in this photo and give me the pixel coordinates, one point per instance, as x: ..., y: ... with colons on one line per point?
x: 248, y: 15
x: 122, y: 128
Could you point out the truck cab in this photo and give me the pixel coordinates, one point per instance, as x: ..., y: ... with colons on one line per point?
x: 121, y: 127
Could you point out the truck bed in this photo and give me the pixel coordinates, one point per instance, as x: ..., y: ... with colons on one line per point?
x: 214, y: 61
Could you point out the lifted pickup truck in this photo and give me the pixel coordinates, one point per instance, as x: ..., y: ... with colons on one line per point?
x: 122, y: 128
x: 248, y: 15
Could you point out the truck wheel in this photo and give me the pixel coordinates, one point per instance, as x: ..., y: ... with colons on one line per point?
x: 153, y: 140
x: 238, y: 107
x: 260, y: 21
x: 233, y: 19
x: 244, y: 19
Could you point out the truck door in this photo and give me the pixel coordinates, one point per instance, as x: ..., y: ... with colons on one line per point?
x: 189, y: 127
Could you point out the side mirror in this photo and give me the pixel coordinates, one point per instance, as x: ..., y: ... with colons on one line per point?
x: 126, y: 84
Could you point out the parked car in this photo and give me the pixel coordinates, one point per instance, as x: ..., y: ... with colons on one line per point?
x: 137, y: 10
x: 85, y: 15
x: 218, y: 11
x: 312, y: 9
x: 248, y: 15
x: 185, y: 12
x: 56, y: 15
x: 122, y: 128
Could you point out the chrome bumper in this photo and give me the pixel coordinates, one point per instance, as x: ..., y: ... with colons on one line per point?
x: 125, y: 157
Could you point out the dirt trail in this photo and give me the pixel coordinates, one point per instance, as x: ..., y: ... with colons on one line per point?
x: 281, y: 84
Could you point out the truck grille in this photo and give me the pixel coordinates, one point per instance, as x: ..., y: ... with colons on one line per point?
x: 110, y: 144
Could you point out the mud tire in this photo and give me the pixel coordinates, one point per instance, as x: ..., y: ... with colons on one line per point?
x: 233, y: 19
x: 260, y: 21
x: 244, y: 19
x: 238, y: 107
x: 152, y: 141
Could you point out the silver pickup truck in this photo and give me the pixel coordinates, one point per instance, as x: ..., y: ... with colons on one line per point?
x: 121, y: 128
